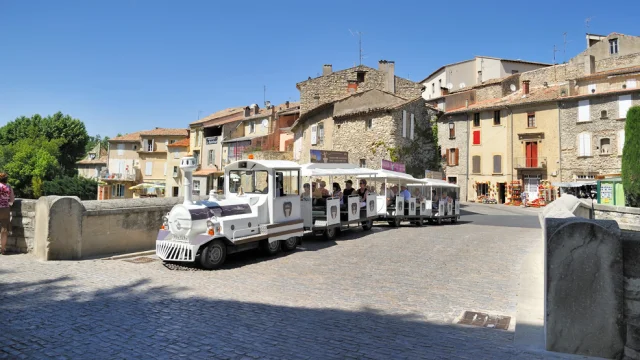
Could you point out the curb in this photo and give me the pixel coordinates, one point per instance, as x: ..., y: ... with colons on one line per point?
x: 131, y: 255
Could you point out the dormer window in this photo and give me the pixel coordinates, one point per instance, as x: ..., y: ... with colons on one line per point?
x: 360, y: 76
x: 613, y: 46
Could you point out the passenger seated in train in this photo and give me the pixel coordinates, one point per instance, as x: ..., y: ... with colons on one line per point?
x: 348, y: 191
x: 306, y: 192
x: 405, y: 193
x: 362, y: 192
x: 322, y: 191
x: 337, y: 193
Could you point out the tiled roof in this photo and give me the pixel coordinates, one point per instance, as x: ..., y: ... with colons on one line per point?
x: 180, y: 143
x: 627, y: 70
x: 205, y: 172
x: 486, y: 83
x: 135, y: 136
x: 373, y: 109
x: 101, y: 159
x: 219, y: 114
x: 537, y: 95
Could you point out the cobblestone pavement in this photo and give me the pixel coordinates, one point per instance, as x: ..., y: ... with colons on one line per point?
x: 383, y: 294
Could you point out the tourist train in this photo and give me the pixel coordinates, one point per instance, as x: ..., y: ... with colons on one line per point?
x: 266, y: 206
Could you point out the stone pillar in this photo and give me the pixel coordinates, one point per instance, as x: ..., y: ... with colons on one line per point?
x: 584, y: 287
x: 58, y: 231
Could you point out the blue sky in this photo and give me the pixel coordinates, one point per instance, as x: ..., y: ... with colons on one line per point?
x: 128, y: 65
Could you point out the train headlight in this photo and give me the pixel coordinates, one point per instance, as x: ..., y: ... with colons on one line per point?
x: 210, y: 228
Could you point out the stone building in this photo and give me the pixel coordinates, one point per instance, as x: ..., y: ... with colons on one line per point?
x: 371, y: 126
x: 93, y: 164
x: 332, y: 86
x: 453, y: 140
x: 176, y: 151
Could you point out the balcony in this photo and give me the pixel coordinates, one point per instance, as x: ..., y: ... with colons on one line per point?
x: 539, y: 162
x: 118, y: 176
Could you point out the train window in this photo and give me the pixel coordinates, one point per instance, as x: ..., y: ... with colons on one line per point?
x: 288, y: 181
x: 255, y: 182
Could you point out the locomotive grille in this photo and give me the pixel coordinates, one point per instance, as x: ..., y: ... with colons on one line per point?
x: 174, y: 251
x: 263, y: 229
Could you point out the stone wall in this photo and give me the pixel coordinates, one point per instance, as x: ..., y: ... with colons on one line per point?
x: 333, y: 86
x: 571, y: 163
x: 270, y: 155
x: 628, y: 218
x: 304, y: 130
x: 459, y: 142
x: 23, y: 223
x: 353, y: 136
x: 68, y: 229
x: 488, y: 92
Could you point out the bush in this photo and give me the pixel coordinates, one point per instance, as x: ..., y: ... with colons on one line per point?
x: 630, y: 156
x: 85, y: 189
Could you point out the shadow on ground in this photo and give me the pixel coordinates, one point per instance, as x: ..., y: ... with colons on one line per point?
x: 56, y: 317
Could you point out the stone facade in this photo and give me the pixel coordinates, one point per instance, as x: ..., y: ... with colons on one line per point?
x: 23, y: 223
x: 572, y: 164
x: 455, y: 173
x: 335, y: 85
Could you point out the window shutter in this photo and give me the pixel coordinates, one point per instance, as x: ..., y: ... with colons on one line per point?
x: 149, y: 168
x: 587, y: 144
x: 620, y: 141
x: 404, y: 123
x: 476, y: 164
x: 449, y: 157
x: 165, y: 169
x: 314, y: 134
x: 624, y: 103
x: 581, y: 148
x: 457, y: 156
x: 583, y: 110
x: 412, y: 125
x: 497, y: 164
x: 120, y: 149
x: 476, y: 137
x: 152, y: 144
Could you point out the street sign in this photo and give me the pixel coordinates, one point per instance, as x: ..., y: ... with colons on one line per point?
x: 212, y: 140
x: 329, y: 157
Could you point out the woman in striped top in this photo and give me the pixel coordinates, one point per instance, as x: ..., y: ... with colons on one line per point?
x: 6, y: 201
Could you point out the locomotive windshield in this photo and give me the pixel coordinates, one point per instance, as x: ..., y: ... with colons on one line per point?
x: 218, y: 210
x: 255, y: 182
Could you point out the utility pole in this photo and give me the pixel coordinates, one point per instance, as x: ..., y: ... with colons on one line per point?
x: 264, y: 95
x: 564, y: 50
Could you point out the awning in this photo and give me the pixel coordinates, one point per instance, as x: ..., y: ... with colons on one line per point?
x: 574, y: 184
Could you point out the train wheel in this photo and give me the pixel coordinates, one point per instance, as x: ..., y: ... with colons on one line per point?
x: 330, y: 233
x: 269, y: 248
x: 419, y: 223
x: 439, y: 221
x: 214, y: 255
x: 396, y: 222
x: 290, y: 244
x: 367, y: 225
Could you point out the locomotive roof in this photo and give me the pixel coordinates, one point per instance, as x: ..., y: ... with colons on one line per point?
x: 393, y: 175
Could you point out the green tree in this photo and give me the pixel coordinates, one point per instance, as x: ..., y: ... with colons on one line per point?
x: 85, y: 189
x: 94, y: 140
x: 630, y: 156
x: 71, y: 132
x: 29, y: 162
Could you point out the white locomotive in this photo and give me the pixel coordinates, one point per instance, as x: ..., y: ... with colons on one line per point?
x: 261, y: 209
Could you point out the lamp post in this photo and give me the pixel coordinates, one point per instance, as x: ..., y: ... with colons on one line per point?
x: 593, y: 194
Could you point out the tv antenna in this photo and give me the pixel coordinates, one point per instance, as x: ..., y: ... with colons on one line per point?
x: 359, y: 34
x: 199, y: 112
x: 587, y: 22
x: 264, y: 95
x: 564, y: 50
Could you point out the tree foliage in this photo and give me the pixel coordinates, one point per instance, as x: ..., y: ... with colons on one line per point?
x: 29, y: 162
x: 95, y: 140
x: 85, y: 189
x: 630, y: 156
x: 71, y: 134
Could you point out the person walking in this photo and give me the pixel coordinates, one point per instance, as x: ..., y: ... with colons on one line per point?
x: 6, y: 201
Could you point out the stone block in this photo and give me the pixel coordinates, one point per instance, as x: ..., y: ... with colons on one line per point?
x: 58, y: 231
x: 584, y: 287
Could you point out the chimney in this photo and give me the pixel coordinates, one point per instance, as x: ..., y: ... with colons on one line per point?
x: 589, y: 64
x: 247, y: 111
x: 352, y: 86
x: 444, y: 91
x: 327, y: 69
x: 388, y: 67
x: 286, y: 104
x: 267, y: 104
x: 525, y: 87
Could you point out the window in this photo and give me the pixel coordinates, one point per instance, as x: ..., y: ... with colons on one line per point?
x: 620, y: 141
x: 531, y: 120
x: 196, y: 155
x: 476, y: 164
x: 175, y: 171
x: 585, y: 176
x: 412, y: 126
x: 497, y: 164
x: 440, y: 85
x: 117, y: 190
x: 314, y: 134
x: 624, y: 103
x: 212, y: 157
x: 148, y: 168
x: 360, y: 76
x: 363, y: 163
x: 482, y: 190
x: 583, y: 110
x: 404, y: 123
x: 476, y: 119
x: 433, y: 88
x: 252, y: 127
x: 605, y: 146
x: 452, y: 130
x: 175, y: 191
x: 148, y: 144
x: 135, y: 147
x: 287, y: 180
x: 584, y: 144
x: 196, y: 186
x: 476, y: 137
x: 452, y: 180
x: 121, y: 149
x: 320, y: 133
x: 453, y: 156
x: 613, y: 46
x: 496, y: 117
x: 603, y: 114
x: 369, y: 124
x: 250, y: 181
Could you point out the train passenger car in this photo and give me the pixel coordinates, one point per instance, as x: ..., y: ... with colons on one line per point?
x: 261, y: 209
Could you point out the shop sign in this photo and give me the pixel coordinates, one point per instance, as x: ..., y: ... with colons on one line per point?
x: 393, y: 166
x: 606, y: 193
x: 329, y: 157
x: 212, y: 140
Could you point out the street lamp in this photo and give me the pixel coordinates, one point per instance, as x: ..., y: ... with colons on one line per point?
x: 593, y: 194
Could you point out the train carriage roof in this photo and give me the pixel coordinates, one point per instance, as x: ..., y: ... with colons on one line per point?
x: 263, y: 165
x: 344, y: 169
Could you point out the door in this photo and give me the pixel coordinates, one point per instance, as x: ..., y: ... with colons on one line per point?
x: 532, y: 154
x: 502, y: 193
x: 175, y: 191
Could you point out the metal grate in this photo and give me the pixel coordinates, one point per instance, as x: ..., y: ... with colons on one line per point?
x: 485, y: 320
x: 141, y: 260
x: 173, y: 251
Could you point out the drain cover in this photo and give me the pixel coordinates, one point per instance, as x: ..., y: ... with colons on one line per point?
x: 485, y: 320
x: 141, y: 260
